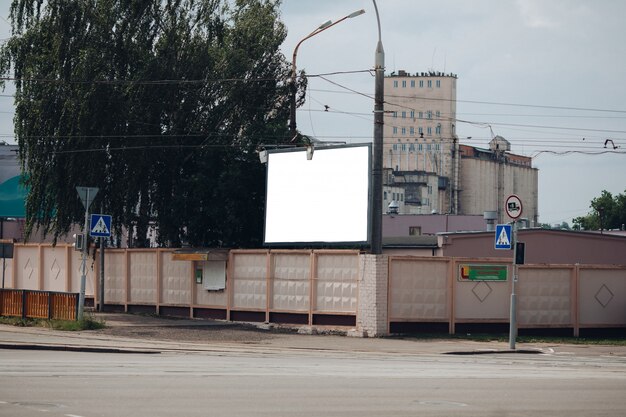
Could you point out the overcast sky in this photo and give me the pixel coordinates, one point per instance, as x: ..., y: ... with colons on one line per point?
x: 546, y: 75
x: 533, y: 65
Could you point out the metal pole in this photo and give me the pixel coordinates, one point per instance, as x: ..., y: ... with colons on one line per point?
x: 377, y: 163
x: 101, y: 291
x: 513, y: 318
x: 83, y: 277
x: 294, y: 89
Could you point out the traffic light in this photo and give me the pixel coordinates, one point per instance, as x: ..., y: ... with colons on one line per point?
x: 520, y: 248
x: 79, y: 241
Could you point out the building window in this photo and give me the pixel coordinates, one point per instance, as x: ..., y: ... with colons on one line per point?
x: 437, y: 146
x: 429, y: 131
x: 412, y: 114
x: 395, y: 146
x: 394, y: 196
x: 415, y: 230
x: 384, y: 195
x: 420, y: 147
x: 404, y: 130
x: 411, y: 130
x: 429, y: 114
x: 413, y: 83
x: 395, y: 130
x: 404, y: 146
x: 438, y: 83
x: 430, y: 190
x: 430, y: 83
x: 401, y: 197
x: 404, y: 115
x: 395, y: 114
x: 438, y: 130
x: 412, y: 147
x: 421, y: 115
x: 395, y: 84
x: 428, y: 147
x: 438, y: 114
x: 420, y: 130
x: 421, y: 83
x: 403, y: 83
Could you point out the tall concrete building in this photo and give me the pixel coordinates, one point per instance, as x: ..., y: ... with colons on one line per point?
x: 420, y: 140
x: 428, y: 171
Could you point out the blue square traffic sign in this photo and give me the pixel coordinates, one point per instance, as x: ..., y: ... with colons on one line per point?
x: 100, y: 225
x: 503, y: 238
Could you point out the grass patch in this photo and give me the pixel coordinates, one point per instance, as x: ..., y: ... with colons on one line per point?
x: 87, y: 323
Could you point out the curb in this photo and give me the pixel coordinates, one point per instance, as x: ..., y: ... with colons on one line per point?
x: 67, y: 348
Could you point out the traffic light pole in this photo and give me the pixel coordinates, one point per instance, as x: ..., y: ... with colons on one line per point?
x: 513, y: 314
x: 83, y: 277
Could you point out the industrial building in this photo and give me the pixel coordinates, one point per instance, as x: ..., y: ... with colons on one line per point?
x: 427, y: 169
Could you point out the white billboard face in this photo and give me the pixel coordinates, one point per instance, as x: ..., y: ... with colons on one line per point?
x: 322, y: 200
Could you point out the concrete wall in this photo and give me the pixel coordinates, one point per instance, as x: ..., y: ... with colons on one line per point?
x: 423, y: 290
x: 430, y: 224
x: 543, y: 247
x: 479, y: 185
x: 341, y: 287
x: 480, y: 191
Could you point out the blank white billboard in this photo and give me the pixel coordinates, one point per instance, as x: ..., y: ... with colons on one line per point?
x: 322, y: 200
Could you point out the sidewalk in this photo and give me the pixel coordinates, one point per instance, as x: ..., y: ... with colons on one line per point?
x: 126, y: 333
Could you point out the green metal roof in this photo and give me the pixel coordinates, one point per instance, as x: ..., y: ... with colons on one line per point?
x: 12, y: 198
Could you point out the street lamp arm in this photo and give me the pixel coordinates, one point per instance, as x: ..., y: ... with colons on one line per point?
x: 326, y: 25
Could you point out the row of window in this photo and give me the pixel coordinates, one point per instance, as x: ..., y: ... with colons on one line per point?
x: 420, y: 115
x: 420, y: 130
x: 394, y: 196
x: 420, y: 146
x: 429, y: 83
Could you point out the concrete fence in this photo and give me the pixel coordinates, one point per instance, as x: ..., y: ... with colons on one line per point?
x: 375, y: 294
x: 433, y: 290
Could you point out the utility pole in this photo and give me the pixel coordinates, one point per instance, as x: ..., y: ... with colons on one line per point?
x: 86, y: 194
x: 377, y: 163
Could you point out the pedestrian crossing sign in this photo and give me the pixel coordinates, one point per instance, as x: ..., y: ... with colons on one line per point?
x: 503, y: 236
x: 100, y: 225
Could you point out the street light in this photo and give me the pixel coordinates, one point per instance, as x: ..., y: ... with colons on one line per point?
x: 377, y: 163
x: 294, y: 90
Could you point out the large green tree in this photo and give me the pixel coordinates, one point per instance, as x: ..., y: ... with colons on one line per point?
x: 608, y: 212
x: 159, y: 103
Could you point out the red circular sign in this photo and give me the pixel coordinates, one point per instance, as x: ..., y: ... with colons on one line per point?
x: 513, y: 206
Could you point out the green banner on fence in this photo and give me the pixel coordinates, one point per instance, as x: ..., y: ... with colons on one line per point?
x: 474, y: 272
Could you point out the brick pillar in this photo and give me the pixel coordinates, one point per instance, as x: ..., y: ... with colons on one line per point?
x: 371, y: 318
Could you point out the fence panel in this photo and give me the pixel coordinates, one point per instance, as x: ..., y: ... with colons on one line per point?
x: 64, y: 306
x: 38, y: 304
x: 418, y: 290
x: 545, y: 297
x: 55, y: 268
x: 336, y: 283
x: 249, y: 281
x: 602, y: 297
x: 291, y: 282
x: 11, y: 302
x: 27, y: 267
x: 143, y: 277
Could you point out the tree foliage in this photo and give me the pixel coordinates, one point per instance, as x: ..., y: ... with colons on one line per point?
x: 159, y: 103
x: 608, y: 212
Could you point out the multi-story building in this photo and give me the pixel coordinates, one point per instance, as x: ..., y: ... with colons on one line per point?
x: 429, y: 171
x: 419, y: 140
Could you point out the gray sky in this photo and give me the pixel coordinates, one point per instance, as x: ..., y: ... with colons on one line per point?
x: 546, y: 75
x: 541, y: 54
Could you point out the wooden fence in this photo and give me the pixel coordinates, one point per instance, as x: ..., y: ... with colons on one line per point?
x: 38, y: 304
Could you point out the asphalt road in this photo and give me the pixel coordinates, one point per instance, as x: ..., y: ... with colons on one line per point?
x: 288, y: 382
